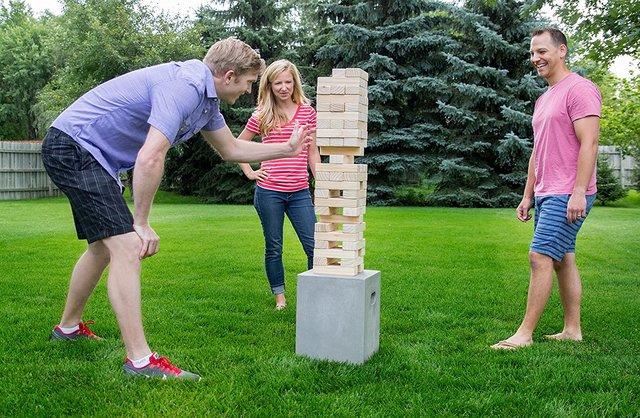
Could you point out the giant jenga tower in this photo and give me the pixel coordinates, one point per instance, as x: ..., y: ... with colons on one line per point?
x: 341, y: 185
x: 338, y: 302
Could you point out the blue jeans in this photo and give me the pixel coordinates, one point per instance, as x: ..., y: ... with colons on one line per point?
x: 271, y: 207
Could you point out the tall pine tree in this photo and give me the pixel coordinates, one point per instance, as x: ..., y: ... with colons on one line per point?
x: 264, y: 25
x: 450, y: 95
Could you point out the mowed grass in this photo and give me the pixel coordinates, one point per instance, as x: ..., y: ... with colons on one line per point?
x: 454, y: 281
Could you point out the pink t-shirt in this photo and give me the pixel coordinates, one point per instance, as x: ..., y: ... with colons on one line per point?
x: 285, y: 174
x: 556, y: 145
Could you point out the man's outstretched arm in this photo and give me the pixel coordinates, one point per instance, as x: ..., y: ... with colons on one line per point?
x: 230, y: 149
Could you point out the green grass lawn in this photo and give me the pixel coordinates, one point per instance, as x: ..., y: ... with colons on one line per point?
x: 454, y: 281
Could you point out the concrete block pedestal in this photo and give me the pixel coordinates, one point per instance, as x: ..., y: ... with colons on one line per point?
x: 338, y: 317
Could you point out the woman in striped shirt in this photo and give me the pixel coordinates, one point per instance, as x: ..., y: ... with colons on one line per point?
x: 282, y: 186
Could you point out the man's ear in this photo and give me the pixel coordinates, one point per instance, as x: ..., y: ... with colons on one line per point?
x: 228, y: 76
x: 563, y: 51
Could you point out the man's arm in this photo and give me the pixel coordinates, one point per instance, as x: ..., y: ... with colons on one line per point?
x: 223, y: 141
x: 588, y: 131
x: 147, y: 174
x: 522, y: 212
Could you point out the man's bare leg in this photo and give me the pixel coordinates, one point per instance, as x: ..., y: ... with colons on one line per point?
x: 124, y: 291
x: 540, y: 285
x: 86, y: 275
x: 570, y: 294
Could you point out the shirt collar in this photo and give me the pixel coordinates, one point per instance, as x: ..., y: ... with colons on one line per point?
x: 208, y: 84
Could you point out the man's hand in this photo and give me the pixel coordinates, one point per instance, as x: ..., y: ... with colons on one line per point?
x: 522, y: 212
x: 260, y: 175
x: 150, y: 244
x: 300, y: 138
x: 577, y: 207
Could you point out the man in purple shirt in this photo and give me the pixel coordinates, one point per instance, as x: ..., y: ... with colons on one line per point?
x: 131, y: 122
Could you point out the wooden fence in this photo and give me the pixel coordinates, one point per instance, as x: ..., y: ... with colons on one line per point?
x: 622, y: 167
x: 22, y: 174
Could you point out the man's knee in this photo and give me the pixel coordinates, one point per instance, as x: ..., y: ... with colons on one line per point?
x: 125, y: 247
x: 538, y: 261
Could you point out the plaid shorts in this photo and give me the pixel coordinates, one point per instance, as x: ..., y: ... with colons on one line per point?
x: 553, y: 235
x: 99, y: 210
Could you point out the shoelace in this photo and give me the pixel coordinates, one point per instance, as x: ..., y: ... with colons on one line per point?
x: 164, y: 364
x: 84, y: 330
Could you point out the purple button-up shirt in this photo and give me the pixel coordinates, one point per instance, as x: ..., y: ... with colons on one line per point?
x: 112, y: 120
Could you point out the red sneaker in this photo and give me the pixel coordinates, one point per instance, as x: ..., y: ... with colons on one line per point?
x: 160, y: 368
x: 82, y: 332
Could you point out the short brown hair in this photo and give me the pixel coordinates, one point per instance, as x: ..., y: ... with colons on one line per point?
x: 233, y: 54
x: 557, y: 36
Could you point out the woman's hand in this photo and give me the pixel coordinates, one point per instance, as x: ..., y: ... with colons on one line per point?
x: 260, y: 175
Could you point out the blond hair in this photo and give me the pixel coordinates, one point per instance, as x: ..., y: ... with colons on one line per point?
x: 233, y: 54
x: 269, y: 115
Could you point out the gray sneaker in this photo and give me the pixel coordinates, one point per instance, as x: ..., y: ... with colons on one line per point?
x: 159, y: 368
x: 80, y: 333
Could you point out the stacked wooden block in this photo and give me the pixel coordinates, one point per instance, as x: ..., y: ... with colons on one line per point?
x: 341, y: 185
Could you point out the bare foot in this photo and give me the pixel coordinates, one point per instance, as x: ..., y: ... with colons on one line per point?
x: 512, y: 343
x: 281, y: 302
x: 565, y: 336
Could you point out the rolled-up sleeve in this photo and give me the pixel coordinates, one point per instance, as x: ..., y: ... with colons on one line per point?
x: 172, y: 103
x: 217, y: 120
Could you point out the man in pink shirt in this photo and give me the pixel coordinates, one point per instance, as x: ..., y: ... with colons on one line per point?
x: 561, y: 184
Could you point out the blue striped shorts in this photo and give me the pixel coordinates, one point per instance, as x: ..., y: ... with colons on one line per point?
x: 553, y: 235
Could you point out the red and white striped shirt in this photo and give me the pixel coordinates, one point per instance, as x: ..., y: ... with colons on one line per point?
x: 285, y: 174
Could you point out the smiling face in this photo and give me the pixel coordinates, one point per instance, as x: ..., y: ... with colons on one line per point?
x: 548, y: 58
x: 282, y: 87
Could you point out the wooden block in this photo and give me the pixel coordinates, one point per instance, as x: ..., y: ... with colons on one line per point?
x: 353, y: 245
x: 326, y: 193
x: 354, y: 142
x: 342, y: 168
x: 330, y: 89
x: 324, y: 150
x: 354, y: 124
x: 337, y: 270
x: 342, y: 81
x: 324, y: 261
x: 356, y: 211
x: 320, y: 210
x: 336, y: 142
x: 356, y: 107
x: 359, y: 227
x: 354, y: 99
x: 326, y: 124
x: 355, y: 194
x: 351, y: 116
x: 323, y: 142
x: 340, y: 176
x: 326, y: 227
x: 330, y: 107
x: 337, y: 253
x: 341, y: 185
x: 334, y: 123
x: 341, y: 159
x: 338, y: 202
x: 357, y: 72
x: 340, y: 219
x: 339, y: 72
x: 339, y: 236
x: 324, y: 244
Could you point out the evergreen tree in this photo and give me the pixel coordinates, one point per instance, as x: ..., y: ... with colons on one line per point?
x: 609, y: 187
x: 262, y: 24
x: 450, y: 95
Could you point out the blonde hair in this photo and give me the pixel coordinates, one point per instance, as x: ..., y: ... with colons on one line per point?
x: 233, y: 54
x: 269, y: 115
